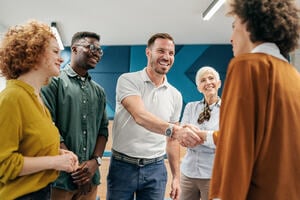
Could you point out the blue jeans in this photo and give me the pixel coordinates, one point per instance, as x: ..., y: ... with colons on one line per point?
x: 147, y: 182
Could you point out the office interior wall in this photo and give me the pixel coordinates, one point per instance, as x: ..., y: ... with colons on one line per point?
x: 295, y: 59
x: 188, y: 59
x: 2, y: 83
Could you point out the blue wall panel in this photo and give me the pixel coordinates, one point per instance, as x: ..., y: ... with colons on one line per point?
x: 185, y: 58
x: 115, y: 59
x: 138, y: 59
x: 188, y: 59
x: 217, y: 56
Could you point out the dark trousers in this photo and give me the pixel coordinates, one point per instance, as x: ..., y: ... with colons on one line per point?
x: 42, y: 194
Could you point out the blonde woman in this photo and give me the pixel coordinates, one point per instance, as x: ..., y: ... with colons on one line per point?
x: 196, y: 166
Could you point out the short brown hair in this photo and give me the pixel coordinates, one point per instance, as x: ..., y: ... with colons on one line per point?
x: 274, y: 21
x: 22, y: 47
x: 159, y: 35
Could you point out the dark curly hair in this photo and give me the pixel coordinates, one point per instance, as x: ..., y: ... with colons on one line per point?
x: 22, y: 47
x: 274, y: 21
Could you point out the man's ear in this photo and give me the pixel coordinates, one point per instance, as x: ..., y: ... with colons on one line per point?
x: 74, y: 49
x: 147, y: 51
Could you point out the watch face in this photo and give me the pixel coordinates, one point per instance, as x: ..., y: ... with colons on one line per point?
x: 168, y: 132
x: 98, y: 159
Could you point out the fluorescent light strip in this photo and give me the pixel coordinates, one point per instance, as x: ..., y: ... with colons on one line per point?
x: 57, y: 35
x: 212, y: 9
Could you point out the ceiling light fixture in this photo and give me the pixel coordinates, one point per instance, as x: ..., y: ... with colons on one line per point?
x: 212, y: 9
x: 57, y: 35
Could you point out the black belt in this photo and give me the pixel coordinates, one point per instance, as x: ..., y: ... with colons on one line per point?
x: 137, y: 161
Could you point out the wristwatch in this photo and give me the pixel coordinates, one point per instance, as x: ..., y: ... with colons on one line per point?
x: 169, y: 131
x: 98, y: 160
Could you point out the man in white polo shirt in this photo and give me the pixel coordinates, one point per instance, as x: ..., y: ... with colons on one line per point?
x: 144, y: 129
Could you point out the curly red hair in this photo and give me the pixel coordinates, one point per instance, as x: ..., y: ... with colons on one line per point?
x: 22, y: 47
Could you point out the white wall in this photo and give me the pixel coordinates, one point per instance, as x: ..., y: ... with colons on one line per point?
x: 296, y: 60
x: 2, y: 83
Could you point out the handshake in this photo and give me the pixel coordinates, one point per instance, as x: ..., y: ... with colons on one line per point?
x: 190, y: 135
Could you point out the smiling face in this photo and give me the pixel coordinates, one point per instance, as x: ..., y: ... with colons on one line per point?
x: 208, y: 84
x: 85, y: 57
x: 161, y: 55
x: 51, y: 59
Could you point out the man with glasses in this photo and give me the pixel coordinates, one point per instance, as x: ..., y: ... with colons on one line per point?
x: 77, y: 105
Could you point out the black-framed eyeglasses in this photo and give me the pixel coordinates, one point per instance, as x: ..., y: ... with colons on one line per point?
x: 93, y: 48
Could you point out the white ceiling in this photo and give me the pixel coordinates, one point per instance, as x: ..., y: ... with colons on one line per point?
x: 121, y: 22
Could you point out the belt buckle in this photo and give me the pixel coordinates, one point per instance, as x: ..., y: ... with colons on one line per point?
x: 140, y: 162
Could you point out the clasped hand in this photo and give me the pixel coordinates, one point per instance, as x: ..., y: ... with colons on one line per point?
x: 67, y: 161
x: 82, y: 177
x: 190, y: 136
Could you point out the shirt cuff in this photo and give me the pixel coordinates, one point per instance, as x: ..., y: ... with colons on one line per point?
x: 209, y: 138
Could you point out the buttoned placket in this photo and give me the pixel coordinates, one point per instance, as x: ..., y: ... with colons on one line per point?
x: 84, y: 107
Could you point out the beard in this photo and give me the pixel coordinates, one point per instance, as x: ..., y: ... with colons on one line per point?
x: 161, y: 71
x: 158, y: 69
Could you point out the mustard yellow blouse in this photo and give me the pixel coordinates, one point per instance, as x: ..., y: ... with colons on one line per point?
x: 26, y: 129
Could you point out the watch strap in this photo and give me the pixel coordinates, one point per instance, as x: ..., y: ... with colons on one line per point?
x: 98, y: 160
